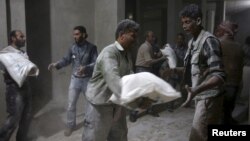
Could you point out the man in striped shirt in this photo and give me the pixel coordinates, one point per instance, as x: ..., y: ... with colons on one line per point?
x: 204, y: 65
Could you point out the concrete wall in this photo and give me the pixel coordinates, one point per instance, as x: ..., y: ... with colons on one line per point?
x: 3, y: 25
x: 65, y: 15
x: 17, y: 15
x: 3, y: 43
x: 107, y: 14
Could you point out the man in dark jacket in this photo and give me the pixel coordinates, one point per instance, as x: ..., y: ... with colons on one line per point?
x: 18, y: 99
x: 233, y: 62
x: 82, y: 55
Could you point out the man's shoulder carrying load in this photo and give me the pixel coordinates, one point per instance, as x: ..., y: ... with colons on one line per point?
x: 18, y: 66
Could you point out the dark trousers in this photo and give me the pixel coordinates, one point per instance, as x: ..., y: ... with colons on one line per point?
x: 18, y: 102
x: 229, y: 102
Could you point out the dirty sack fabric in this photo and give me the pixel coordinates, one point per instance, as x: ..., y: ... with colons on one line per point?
x: 144, y: 85
x: 18, y: 66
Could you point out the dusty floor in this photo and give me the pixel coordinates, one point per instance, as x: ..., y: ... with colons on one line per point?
x: 48, y: 125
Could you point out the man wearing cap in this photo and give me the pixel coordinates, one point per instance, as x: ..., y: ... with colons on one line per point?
x: 82, y: 55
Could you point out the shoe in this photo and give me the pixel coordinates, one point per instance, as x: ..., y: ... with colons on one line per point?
x: 133, y: 116
x: 68, y: 132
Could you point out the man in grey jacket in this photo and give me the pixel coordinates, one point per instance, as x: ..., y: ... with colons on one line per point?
x: 106, y: 120
x: 82, y: 55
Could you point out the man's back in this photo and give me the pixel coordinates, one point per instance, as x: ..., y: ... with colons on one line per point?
x: 143, y: 55
x: 233, y: 60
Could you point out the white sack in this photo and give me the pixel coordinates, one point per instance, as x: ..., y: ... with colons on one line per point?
x: 144, y: 84
x: 18, y: 67
x: 169, y: 52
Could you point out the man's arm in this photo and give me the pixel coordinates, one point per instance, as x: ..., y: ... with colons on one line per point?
x: 149, y: 60
x: 212, y: 51
x: 110, y: 69
x: 66, y: 60
x: 93, y: 55
x: 193, y: 91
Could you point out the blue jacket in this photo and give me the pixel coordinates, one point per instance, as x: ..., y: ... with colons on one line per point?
x: 84, y: 54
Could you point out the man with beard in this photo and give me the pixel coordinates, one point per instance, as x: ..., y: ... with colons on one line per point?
x: 18, y: 99
x: 203, y: 64
x: 82, y: 55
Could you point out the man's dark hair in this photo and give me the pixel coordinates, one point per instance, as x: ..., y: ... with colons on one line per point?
x: 12, y: 34
x: 126, y: 26
x: 192, y: 11
x: 82, y: 29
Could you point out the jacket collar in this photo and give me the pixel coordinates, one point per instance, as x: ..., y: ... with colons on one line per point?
x: 118, y: 46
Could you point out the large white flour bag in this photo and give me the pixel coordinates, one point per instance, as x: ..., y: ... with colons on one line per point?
x: 147, y: 85
x: 18, y: 66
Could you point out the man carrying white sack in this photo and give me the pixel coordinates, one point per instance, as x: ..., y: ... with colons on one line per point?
x: 18, y: 96
x: 104, y: 120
